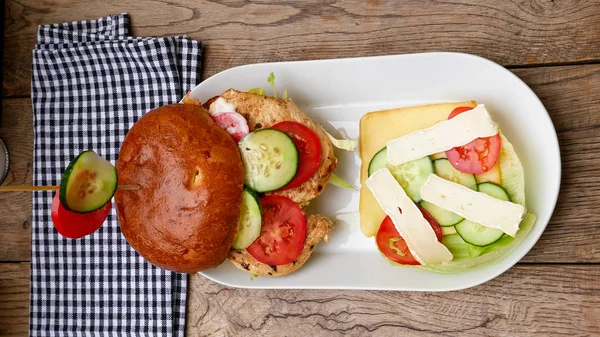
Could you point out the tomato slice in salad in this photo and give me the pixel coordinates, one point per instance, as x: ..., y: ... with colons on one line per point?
x: 479, y: 156
x: 283, y: 231
x: 393, y: 246
x: 76, y: 225
x: 309, y: 151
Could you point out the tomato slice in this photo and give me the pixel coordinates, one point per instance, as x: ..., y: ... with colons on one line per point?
x: 309, y: 151
x: 393, y: 246
x: 479, y: 156
x: 283, y: 231
x: 234, y: 123
x: 76, y: 225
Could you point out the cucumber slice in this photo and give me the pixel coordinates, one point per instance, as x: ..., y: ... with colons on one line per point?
x: 444, y: 217
x: 270, y: 159
x: 494, y: 190
x: 379, y: 161
x: 475, y: 233
x: 250, y: 223
x: 88, y: 183
x: 444, y: 169
x: 412, y: 175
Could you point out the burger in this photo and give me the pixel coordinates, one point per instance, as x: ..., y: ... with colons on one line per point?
x: 227, y: 179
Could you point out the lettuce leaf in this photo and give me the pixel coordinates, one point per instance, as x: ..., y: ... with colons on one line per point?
x: 467, y: 256
x: 512, y: 174
x: 271, y: 80
x: 343, y: 144
x: 257, y: 91
x: 339, y: 182
x: 262, y: 92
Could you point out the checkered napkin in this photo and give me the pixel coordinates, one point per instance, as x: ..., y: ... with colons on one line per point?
x: 91, y: 82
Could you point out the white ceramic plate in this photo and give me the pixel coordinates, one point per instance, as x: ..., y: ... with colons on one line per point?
x: 337, y: 93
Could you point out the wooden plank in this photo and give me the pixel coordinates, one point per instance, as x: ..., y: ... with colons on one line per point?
x: 14, y: 292
x: 571, y: 95
x: 243, y: 32
x: 527, y: 300
x: 15, y: 214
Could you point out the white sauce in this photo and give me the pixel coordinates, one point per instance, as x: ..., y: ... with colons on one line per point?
x: 221, y: 105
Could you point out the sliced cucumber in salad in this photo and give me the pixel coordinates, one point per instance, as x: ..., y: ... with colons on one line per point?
x: 270, y: 159
x: 250, y: 223
x: 494, y: 190
x: 444, y: 217
x: 444, y: 169
x: 379, y: 161
x: 411, y: 176
x: 476, y: 234
x: 88, y: 183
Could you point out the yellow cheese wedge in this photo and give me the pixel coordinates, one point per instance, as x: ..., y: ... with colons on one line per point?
x: 493, y: 175
x: 376, y: 129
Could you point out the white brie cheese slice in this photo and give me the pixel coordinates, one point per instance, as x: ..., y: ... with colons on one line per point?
x: 475, y: 206
x: 443, y: 136
x: 410, y: 223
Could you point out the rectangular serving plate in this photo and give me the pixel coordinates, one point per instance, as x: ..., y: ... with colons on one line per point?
x: 337, y: 93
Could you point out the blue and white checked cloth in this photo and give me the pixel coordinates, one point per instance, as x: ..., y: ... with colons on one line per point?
x: 91, y: 81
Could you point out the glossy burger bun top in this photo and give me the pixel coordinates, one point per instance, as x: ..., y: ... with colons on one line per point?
x: 184, y: 216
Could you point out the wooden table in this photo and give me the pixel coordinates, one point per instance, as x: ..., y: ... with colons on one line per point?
x: 554, y: 46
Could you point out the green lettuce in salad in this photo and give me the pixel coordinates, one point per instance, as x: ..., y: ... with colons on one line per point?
x: 466, y: 256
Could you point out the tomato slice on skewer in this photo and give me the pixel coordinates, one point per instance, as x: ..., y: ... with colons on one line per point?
x: 283, y: 231
x: 393, y: 246
x: 479, y: 156
x: 76, y: 225
x: 309, y: 151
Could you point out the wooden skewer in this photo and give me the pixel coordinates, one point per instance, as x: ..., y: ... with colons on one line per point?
x: 54, y: 188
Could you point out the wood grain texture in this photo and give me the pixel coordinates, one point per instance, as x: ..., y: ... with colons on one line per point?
x: 561, y: 298
x: 15, y: 214
x: 530, y: 300
x: 570, y: 93
x: 14, y: 299
x: 526, y: 301
x: 237, y: 32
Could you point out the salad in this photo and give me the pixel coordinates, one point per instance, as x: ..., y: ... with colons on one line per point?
x: 443, y: 189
